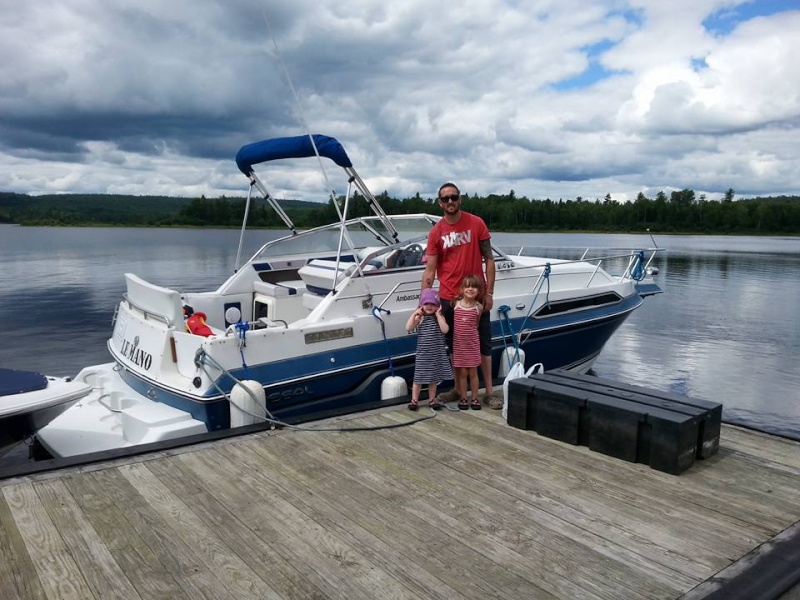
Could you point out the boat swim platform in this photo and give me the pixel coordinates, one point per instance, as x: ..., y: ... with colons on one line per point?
x: 457, y: 506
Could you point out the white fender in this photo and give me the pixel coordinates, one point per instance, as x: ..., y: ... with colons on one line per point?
x: 244, y: 409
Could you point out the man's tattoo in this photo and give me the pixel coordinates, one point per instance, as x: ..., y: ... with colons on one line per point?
x: 486, y: 248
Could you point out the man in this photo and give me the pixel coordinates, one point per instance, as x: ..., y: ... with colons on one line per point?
x: 459, y: 245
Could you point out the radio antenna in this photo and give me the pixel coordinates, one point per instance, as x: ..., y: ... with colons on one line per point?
x: 300, y: 109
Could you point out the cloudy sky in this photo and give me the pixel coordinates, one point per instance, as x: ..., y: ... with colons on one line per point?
x: 550, y: 98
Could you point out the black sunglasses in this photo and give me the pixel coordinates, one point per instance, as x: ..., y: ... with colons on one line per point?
x: 453, y: 198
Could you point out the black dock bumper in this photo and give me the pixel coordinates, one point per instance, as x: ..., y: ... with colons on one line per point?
x: 665, y: 431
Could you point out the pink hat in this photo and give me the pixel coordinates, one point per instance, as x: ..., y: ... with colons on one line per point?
x: 429, y: 296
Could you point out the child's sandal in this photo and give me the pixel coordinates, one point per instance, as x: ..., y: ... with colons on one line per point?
x: 463, y: 405
x: 413, y: 405
x: 475, y: 405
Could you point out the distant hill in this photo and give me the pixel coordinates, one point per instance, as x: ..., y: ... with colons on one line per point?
x: 681, y: 212
x: 773, y: 200
x: 88, y: 209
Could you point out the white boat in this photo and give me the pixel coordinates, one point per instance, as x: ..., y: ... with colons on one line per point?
x: 313, y: 324
x: 30, y: 400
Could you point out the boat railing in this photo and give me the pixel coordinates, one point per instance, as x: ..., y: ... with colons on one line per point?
x: 149, y: 314
x: 636, y: 267
x: 414, y: 285
x: 153, y: 301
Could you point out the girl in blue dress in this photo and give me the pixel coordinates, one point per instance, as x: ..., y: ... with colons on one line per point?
x: 432, y: 364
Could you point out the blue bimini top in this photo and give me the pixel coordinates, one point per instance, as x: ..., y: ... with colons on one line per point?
x: 291, y: 147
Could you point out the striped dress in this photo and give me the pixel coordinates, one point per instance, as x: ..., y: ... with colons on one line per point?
x: 432, y: 365
x: 466, y: 343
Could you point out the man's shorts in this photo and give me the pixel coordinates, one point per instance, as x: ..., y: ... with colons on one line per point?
x: 484, y: 329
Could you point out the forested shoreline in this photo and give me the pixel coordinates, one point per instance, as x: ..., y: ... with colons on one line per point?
x: 679, y: 212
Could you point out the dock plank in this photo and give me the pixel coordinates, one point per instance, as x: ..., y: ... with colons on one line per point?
x: 18, y: 576
x: 713, y: 484
x: 57, y: 568
x: 101, y: 571
x: 608, y: 501
x: 459, y: 506
x: 430, y: 551
x: 109, y: 518
x: 257, y: 553
x: 710, y: 485
x: 392, y: 548
x: 342, y: 570
x: 175, y: 556
x: 232, y: 572
x: 520, y: 521
x: 779, y: 451
x: 490, y: 524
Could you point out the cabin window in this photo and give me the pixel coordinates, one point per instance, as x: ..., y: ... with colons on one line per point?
x: 563, y: 306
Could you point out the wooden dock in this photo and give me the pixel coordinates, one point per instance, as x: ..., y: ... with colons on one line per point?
x: 457, y: 506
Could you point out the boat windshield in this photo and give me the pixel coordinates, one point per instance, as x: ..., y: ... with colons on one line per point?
x: 367, y: 231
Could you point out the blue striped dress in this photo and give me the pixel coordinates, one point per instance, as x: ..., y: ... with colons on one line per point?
x: 432, y: 363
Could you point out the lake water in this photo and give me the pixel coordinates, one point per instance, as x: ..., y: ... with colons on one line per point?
x: 726, y: 329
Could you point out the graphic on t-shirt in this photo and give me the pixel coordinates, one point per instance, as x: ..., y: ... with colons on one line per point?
x: 456, y: 238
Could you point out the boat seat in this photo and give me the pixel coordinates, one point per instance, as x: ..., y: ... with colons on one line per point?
x: 318, y: 274
x: 279, y: 290
x: 377, y: 261
x: 154, y: 299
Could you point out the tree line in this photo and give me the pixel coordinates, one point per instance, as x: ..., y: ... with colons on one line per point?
x: 679, y: 212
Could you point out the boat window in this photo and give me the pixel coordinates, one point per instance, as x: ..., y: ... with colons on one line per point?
x: 563, y: 306
x: 367, y: 231
x: 300, y: 244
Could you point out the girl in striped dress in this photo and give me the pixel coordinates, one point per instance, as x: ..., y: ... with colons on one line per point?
x: 466, y: 342
x: 432, y: 363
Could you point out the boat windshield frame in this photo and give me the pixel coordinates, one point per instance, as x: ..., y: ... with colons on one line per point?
x: 363, y: 232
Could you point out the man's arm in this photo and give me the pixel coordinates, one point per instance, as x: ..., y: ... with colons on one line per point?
x: 429, y: 274
x: 488, y: 258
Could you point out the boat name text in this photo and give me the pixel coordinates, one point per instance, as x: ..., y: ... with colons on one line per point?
x: 136, y: 355
x: 288, y: 394
x: 406, y: 297
x: 330, y: 334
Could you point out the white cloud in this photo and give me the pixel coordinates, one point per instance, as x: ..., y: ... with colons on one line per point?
x: 156, y: 98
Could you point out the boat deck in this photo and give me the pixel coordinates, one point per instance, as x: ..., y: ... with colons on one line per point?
x: 458, y: 506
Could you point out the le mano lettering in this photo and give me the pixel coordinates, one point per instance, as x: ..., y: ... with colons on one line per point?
x: 136, y: 355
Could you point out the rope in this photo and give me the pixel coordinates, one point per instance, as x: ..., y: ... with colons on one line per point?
x: 503, y: 310
x: 375, y: 313
x: 544, y: 278
x: 637, y: 272
x: 241, y: 331
x: 200, y: 359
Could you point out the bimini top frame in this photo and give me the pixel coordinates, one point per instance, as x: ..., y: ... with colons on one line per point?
x: 303, y: 146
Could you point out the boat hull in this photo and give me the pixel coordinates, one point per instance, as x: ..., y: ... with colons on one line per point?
x: 562, y: 343
x: 318, y: 329
x: 27, y: 410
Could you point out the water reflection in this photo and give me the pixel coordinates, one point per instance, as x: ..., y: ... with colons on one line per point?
x: 727, y: 328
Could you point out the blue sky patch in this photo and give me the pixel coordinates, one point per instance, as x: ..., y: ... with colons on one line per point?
x: 594, y: 73
x: 726, y: 20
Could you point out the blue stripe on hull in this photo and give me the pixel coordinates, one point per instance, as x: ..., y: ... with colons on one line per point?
x: 312, y: 393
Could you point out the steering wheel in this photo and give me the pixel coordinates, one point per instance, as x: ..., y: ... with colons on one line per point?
x: 410, y: 256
